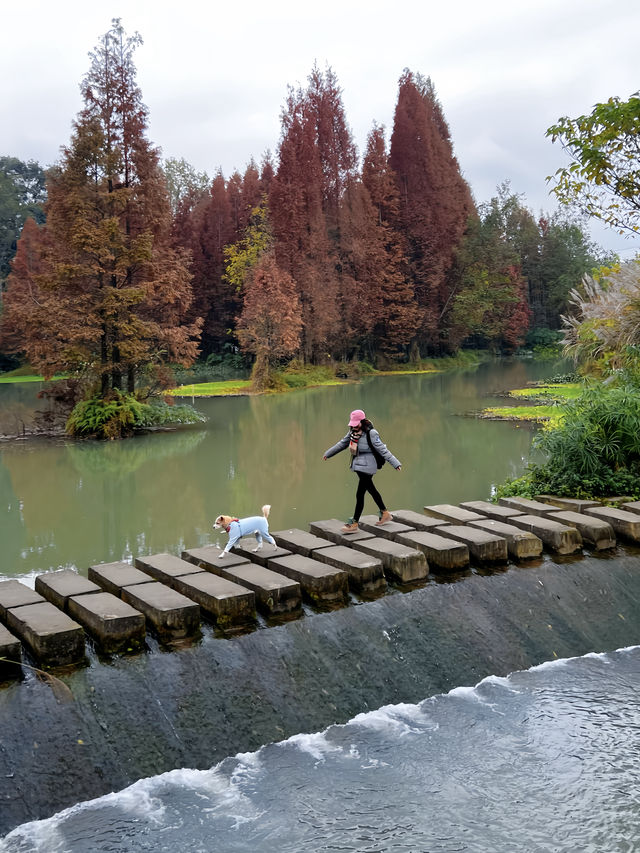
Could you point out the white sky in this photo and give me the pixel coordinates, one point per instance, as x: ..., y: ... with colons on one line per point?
x: 214, y: 75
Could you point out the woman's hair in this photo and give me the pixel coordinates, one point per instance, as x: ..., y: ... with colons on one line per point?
x: 366, y: 424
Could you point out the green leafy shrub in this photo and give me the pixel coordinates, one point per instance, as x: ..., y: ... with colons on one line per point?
x: 119, y: 415
x: 298, y: 375
x: 159, y: 413
x: 593, y: 452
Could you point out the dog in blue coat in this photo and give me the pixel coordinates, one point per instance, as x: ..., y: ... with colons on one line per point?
x: 239, y: 527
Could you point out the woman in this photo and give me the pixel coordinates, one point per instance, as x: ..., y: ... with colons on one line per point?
x: 364, y: 444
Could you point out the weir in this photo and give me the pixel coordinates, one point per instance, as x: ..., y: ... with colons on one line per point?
x: 141, y: 715
x: 115, y: 609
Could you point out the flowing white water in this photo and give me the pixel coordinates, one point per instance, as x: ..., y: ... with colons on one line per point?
x: 547, y: 759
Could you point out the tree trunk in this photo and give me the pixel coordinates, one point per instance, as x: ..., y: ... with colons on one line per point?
x: 261, y: 372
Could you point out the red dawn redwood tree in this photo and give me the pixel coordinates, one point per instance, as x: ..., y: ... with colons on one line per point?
x: 399, y: 316
x: 270, y: 323
x: 434, y: 200
x: 302, y: 245
x: 27, y: 307
x: 209, y: 229
x: 217, y: 221
x: 116, y: 289
x: 316, y: 169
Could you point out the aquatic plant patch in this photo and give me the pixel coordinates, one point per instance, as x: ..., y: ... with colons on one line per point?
x: 546, y: 411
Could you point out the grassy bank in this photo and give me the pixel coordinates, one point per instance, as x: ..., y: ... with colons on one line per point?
x: 8, y: 378
x: 229, y: 388
x: 297, y: 376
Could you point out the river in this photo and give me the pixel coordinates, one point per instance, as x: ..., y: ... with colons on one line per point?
x: 495, y: 713
x: 74, y: 504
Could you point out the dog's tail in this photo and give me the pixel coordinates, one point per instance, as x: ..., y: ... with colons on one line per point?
x: 266, y: 509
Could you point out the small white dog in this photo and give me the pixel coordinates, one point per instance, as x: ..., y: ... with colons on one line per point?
x: 239, y: 527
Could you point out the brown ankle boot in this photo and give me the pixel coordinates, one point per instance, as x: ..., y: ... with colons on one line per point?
x: 350, y: 527
x: 384, y: 517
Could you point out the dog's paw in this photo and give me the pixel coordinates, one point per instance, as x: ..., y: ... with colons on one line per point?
x: 220, y: 556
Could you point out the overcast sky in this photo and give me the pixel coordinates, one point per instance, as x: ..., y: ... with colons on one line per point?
x: 214, y: 75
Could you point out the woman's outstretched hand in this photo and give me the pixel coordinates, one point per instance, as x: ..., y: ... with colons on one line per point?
x: 399, y: 468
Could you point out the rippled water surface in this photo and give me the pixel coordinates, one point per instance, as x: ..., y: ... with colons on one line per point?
x: 79, y: 503
x: 545, y: 760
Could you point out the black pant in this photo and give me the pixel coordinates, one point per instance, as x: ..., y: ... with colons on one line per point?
x: 365, y: 484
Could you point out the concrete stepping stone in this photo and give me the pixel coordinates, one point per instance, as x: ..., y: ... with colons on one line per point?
x: 451, y: 513
x: 330, y: 529
x: 556, y: 536
x: 631, y: 506
x: 10, y: 650
x: 114, y: 625
x: 275, y: 595
x: 170, y: 614
x: 416, y: 520
x: 616, y: 501
x: 261, y: 557
x: 594, y: 531
x: 113, y: 577
x: 366, y: 574
x: 499, y: 513
x: 569, y: 504
x: 521, y: 544
x: 322, y: 584
x: 626, y: 524
x: 401, y: 563
x: 16, y: 594
x: 229, y: 605
x: 443, y: 554
x: 207, y: 555
x: 52, y: 637
x: 299, y: 541
x: 58, y: 587
x: 483, y: 546
x: 166, y: 567
x: 388, y: 530
x: 525, y: 505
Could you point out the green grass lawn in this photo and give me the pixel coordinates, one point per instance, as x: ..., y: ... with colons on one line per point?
x: 213, y: 389
x: 14, y: 379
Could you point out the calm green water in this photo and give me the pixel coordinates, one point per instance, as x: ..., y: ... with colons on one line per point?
x: 76, y: 504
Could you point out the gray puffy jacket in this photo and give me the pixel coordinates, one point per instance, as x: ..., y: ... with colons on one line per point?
x: 364, y: 460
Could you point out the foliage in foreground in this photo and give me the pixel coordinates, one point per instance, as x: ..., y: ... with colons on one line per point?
x: 120, y: 415
x: 593, y: 452
x: 603, y: 179
x: 603, y: 331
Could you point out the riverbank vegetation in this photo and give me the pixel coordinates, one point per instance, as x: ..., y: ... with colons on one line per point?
x: 127, y: 267
x: 593, y: 451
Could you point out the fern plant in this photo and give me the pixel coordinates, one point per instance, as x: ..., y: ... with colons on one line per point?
x: 119, y: 415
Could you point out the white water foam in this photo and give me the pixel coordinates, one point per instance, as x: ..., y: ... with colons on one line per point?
x: 142, y: 802
x: 315, y: 745
x: 222, y: 787
x: 400, y: 719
